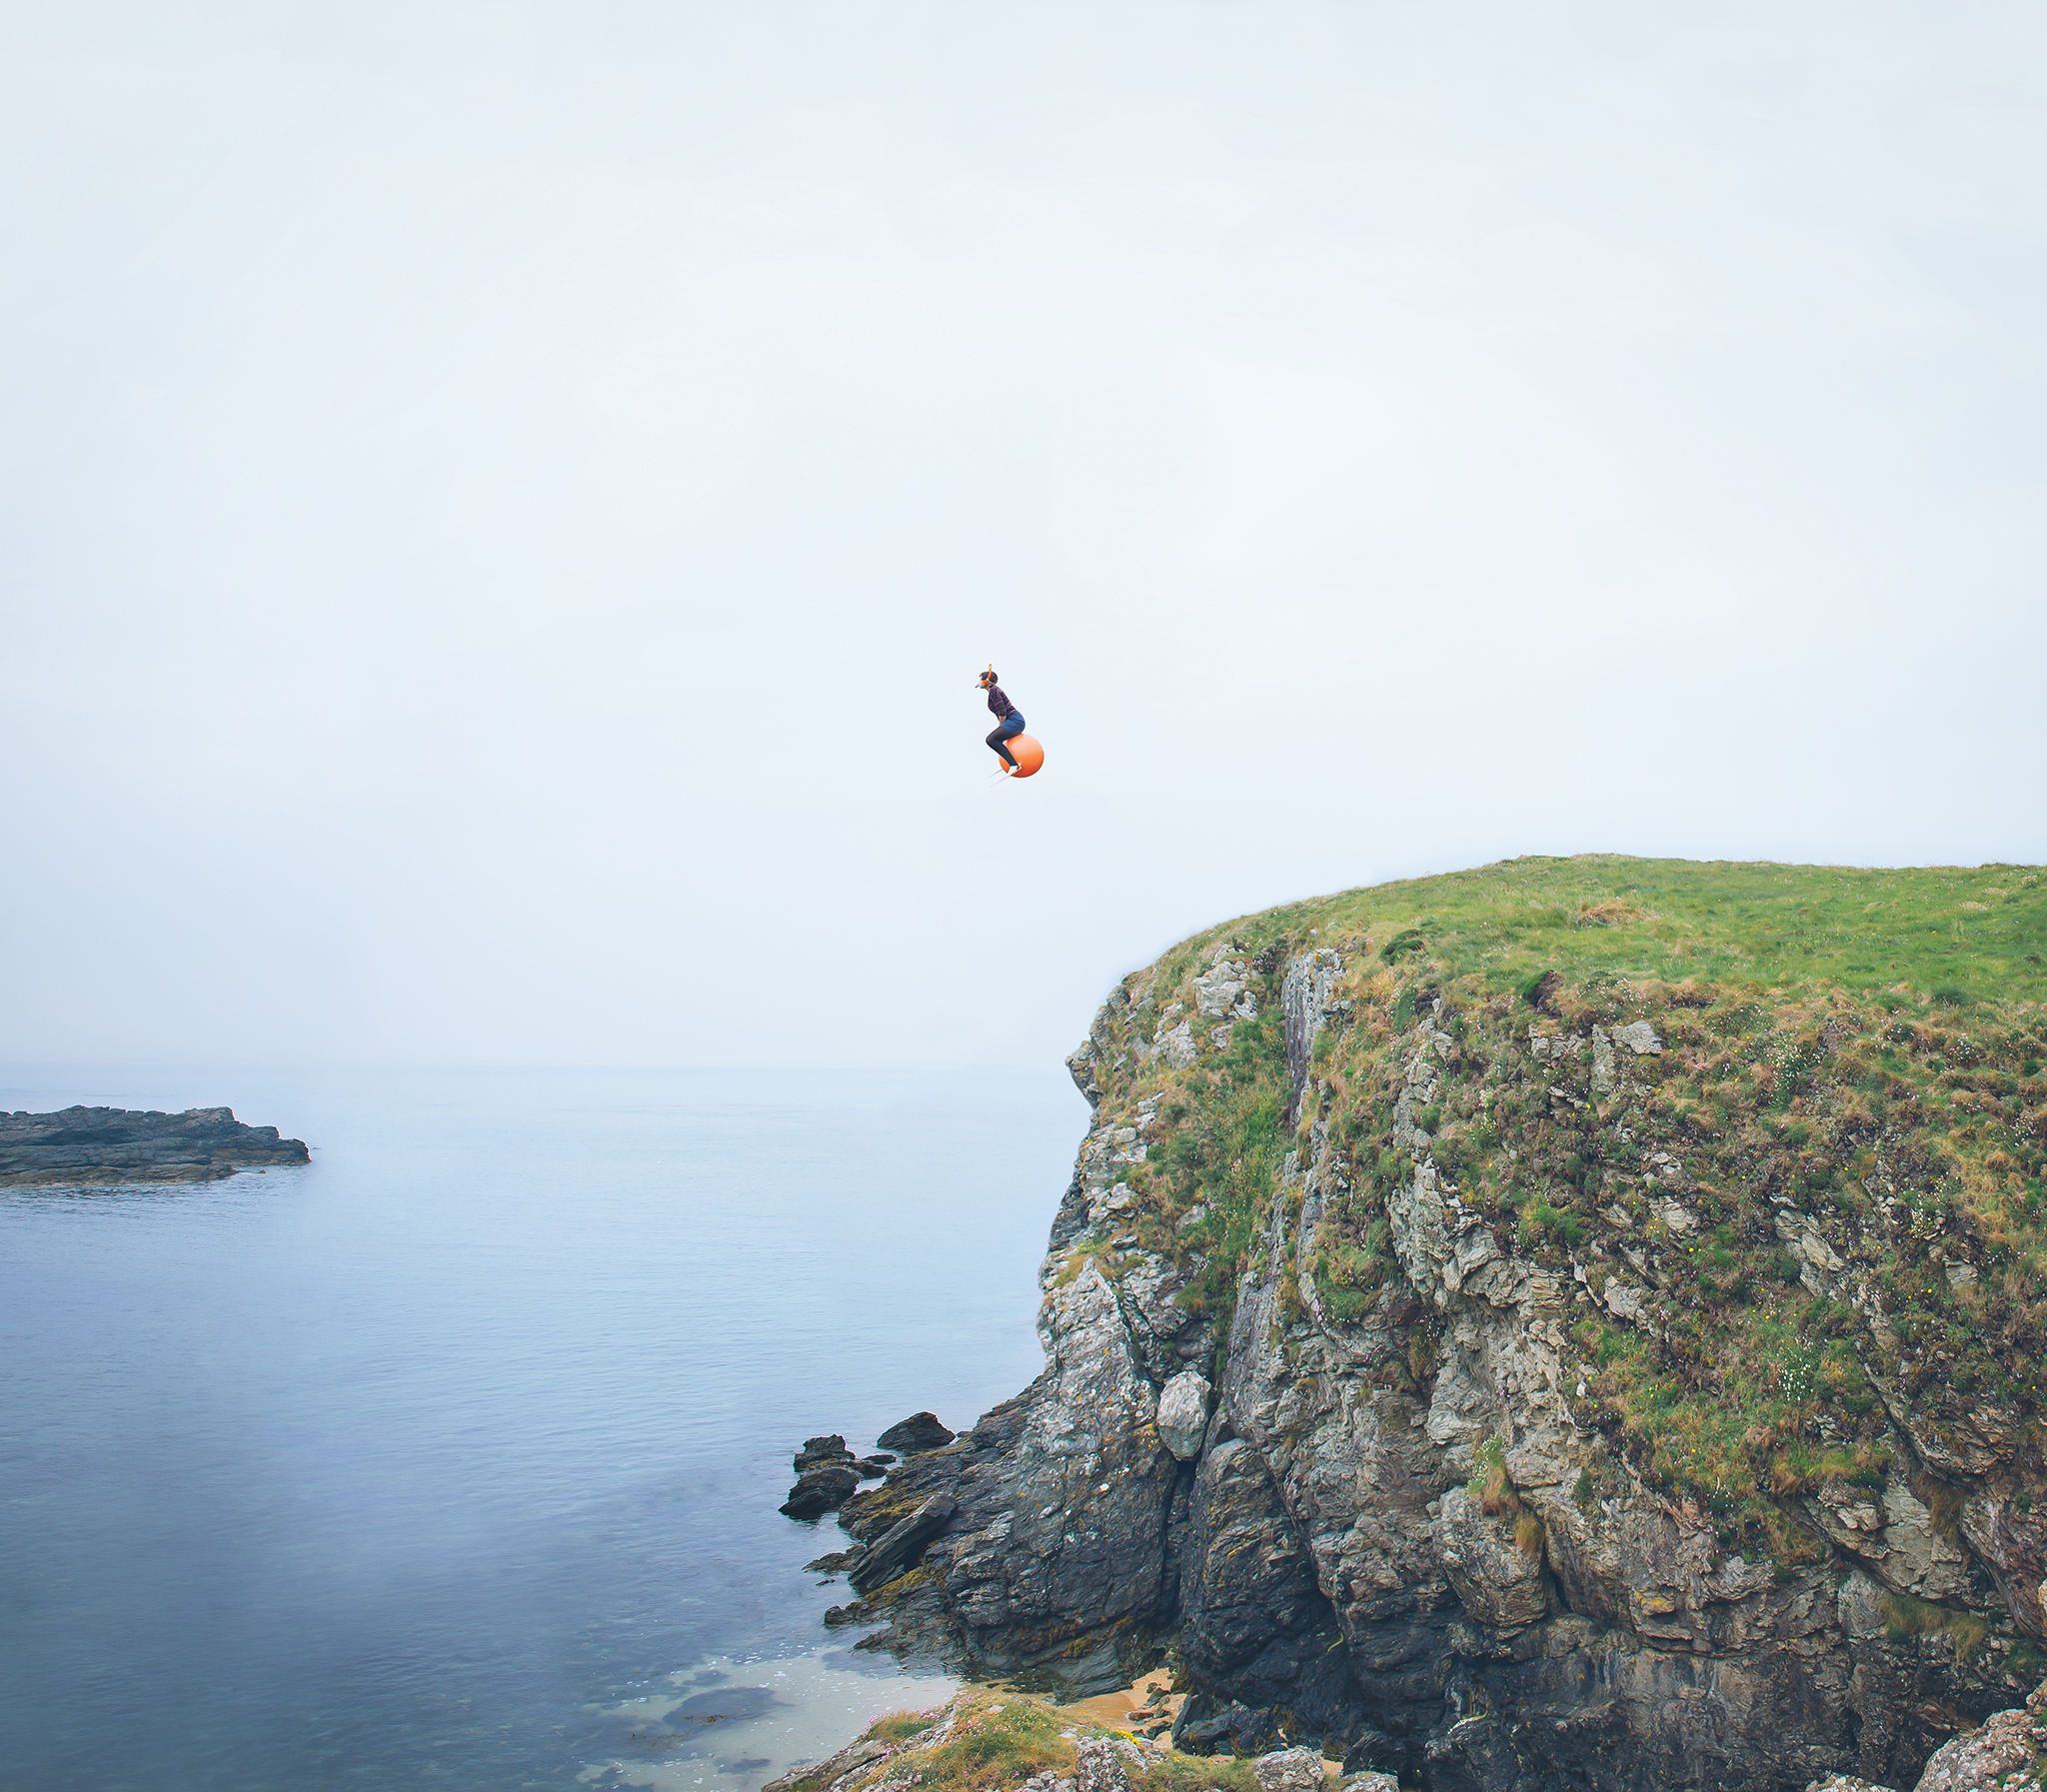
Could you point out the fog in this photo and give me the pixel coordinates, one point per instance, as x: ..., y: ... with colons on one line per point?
x: 502, y: 507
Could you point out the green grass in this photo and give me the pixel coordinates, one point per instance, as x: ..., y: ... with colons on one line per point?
x: 1905, y: 1616
x: 1864, y: 1045
x: 1776, y: 925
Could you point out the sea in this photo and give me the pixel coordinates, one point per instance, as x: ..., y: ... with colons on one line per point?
x: 451, y: 1460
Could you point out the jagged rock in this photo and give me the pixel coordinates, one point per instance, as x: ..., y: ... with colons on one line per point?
x: 873, y: 1467
x: 2008, y: 1752
x: 1099, y: 1047
x: 897, y: 1549
x: 101, y: 1144
x: 2005, y: 1753
x: 1219, y: 990
x: 1290, y: 1770
x: 818, y: 1452
x: 820, y: 1490
x: 835, y: 1561
x: 1499, y: 1583
x: 914, y: 1435
x: 2011, y: 1542
x: 1239, y: 1728
x: 1183, y: 1413
x: 1913, y: 1556
x: 1098, y: 1767
x: 849, y: 1759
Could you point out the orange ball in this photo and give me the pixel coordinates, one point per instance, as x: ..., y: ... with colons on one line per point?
x: 1028, y: 754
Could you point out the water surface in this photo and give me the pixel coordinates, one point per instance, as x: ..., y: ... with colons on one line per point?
x: 452, y: 1459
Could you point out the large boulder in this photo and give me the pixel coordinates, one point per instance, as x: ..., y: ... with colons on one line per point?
x: 1290, y: 1770
x: 914, y: 1435
x: 1183, y: 1413
x: 1096, y: 1767
x: 820, y: 1490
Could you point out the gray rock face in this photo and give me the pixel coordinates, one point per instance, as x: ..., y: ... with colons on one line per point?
x: 1304, y: 993
x: 2007, y: 1753
x: 1310, y: 1532
x: 897, y: 1548
x: 1500, y: 1583
x: 115, y: 1145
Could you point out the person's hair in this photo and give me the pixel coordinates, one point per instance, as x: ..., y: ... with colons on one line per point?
x: 989, y: 677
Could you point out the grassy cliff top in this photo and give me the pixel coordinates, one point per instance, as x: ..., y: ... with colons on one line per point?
x: 1946, y: 936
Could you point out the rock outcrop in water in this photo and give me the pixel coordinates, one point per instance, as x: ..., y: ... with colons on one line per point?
x: 116, y: 1144
x: 1576, y: 1323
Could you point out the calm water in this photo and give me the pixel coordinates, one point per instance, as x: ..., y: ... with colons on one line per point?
x: 453, y: 1459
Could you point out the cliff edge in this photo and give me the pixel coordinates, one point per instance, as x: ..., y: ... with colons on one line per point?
x: 1575, y: 1322
x: 118, y: 1144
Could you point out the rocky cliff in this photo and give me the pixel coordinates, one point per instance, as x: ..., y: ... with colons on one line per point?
x: 1576, y: 1322
x: 116, y: 1144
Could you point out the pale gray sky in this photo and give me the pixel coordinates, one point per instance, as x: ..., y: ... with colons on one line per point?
x: 503, y: 504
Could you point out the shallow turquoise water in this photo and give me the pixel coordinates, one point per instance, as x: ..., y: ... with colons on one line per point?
x: 452, y: 1460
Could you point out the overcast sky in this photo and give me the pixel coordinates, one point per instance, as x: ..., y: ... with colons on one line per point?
x: 501, y: 506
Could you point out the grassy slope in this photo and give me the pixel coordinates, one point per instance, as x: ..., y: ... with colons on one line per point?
x: 989, y: 1737
x: 1866, y: 1042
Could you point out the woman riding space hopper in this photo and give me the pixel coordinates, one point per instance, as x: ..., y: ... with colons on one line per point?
x: 1008, y: 722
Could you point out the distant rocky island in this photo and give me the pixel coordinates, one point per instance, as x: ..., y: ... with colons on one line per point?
x: 117, y: 1144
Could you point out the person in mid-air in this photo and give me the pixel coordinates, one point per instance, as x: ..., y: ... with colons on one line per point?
x: 1009, y: 720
